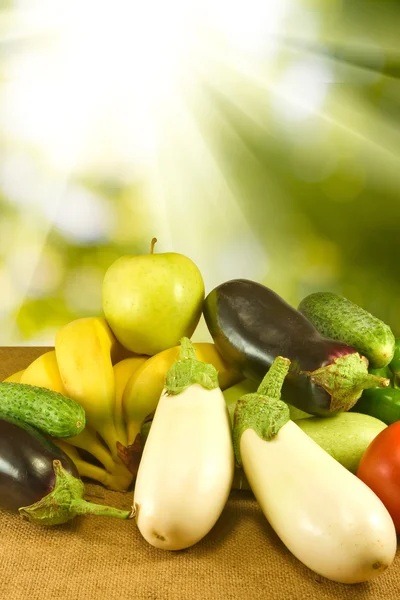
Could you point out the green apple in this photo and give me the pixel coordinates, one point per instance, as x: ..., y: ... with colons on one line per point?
x: 153, y: 300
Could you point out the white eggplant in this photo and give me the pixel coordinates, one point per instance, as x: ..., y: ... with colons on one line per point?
x: 187, y: 467
x: 327, y: 517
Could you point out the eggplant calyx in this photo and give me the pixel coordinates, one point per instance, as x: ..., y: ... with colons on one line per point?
x: 262, y: 411
x: 65, y: 502
x: 188, y: 370
x: 345, y: 379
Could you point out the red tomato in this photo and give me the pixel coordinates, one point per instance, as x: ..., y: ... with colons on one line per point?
x: 379, y: 468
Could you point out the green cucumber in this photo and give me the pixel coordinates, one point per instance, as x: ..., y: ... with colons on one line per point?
x: 48, y: 411
x: 340, y: 319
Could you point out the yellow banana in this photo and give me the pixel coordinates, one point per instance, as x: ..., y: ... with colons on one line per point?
x: 119, y: 353
x: 123, y: 371
x: 120, y: 476
x: 143, y: 390
x: 84, y: 349
x: 85, y: 469
x: 117, y: 481
x: 43, y: 372
x: 208, y: 353
x: 15, y: 377
x: 89, y: 441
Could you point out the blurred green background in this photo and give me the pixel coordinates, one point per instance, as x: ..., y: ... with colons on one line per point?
x: 261, y: 139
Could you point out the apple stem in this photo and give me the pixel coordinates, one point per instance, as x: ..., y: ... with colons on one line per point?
x: 153, y: 243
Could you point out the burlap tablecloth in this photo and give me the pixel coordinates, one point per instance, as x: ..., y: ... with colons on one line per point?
x: 95, y: 558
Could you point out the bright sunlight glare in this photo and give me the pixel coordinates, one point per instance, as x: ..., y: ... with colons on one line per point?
x: 98, y: 79
x: 98, y: 87
x: 191, y: 120
x: 98, y: 76
x: 119, y: 90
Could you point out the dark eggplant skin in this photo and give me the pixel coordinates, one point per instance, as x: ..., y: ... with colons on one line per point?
x: 26, y: 464
x: 251, y: 325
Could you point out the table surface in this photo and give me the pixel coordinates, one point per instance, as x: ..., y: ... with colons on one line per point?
x: 97, y: 558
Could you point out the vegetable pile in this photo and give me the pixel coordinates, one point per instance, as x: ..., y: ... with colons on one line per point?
x: 300, y: 406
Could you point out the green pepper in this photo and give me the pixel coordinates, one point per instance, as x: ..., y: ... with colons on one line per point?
x: 381, y: 403
x: 383, y: 372
x: 394, y: 365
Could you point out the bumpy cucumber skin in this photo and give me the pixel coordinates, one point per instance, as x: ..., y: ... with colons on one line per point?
x: 48, y: 411
x: 340, y: 319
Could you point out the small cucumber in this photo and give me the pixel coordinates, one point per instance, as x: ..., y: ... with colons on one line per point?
x: 48, y: 411
x: 340, y: 319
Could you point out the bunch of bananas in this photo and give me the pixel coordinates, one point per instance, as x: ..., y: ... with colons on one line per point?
x: 118, y: 390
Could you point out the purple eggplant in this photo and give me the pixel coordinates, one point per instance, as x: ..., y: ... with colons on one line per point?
x: 251, y: 325
x: 39, y: 480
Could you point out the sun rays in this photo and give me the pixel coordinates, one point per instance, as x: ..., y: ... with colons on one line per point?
x: 207, y: 120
